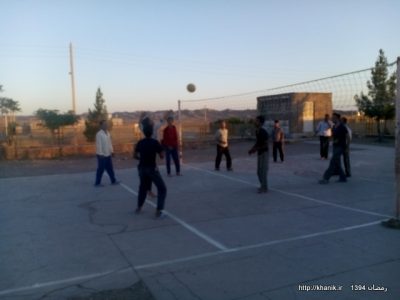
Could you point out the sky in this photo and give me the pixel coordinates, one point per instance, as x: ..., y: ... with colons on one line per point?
x: 142, y: 54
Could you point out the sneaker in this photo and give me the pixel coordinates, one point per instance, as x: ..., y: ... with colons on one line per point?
x: 262, y: 190
x: 116, y: 182
x: 98, y: 185
x: 323, y: 181
x: 160, y: 214
x: 342, y: 180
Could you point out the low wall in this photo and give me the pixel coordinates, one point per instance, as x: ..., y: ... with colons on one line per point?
x: 49, y: 152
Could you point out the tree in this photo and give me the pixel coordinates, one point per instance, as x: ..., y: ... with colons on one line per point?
x: 380, y: 101
x: 56, y: 122
x: 95, y: 116
x: 8, y: 108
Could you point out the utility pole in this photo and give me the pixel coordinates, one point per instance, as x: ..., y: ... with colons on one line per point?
x: 71, y: 72
x: 180, y: 133
x: 206, y: 127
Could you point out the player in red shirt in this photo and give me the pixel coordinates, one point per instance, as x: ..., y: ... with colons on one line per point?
x: 170, y: 143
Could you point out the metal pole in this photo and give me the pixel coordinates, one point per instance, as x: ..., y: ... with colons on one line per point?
x: 6, y: 124
x: 71, y: 62
x: 397, y: 157
x: 180, y: 133
x: 395, y: 222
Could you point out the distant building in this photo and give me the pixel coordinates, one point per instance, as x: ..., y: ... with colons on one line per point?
x: 298, y: 113
x: 35, y: 123
x: 117, y: 121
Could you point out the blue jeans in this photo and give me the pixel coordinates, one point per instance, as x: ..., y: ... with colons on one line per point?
x: 147, y: 176
x: 169, y: 151
x: 104, y: 163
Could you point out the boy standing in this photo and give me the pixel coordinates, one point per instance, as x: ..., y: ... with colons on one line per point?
x: 324, y: 130
x: 170, y: 142
x: 339, y: 133
x: 221, y: 136
x: 146, y: 151
x: 261, y: 147
x: 104, y: 151
x: 278, y: 140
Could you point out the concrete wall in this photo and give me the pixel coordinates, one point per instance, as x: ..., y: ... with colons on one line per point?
x: 12, y: 152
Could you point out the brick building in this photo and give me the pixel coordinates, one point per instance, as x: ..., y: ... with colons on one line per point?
x: 299, y: 113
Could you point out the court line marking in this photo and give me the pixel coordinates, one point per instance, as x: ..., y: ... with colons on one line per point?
x: 293, y: 194
x: 189, y: 227
x: 186, y: 259
x: 56, y: 282
x: 259, y: 245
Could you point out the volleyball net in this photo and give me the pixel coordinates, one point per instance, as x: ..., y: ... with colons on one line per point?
x: 197, y: 116
x: 343, y: 88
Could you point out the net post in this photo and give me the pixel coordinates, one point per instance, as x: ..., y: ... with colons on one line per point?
x: 397, y: 152
x: 180, y: 137
x: 395, y: 222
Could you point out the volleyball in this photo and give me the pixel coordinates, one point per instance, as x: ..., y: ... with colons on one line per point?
x: 191, y: 87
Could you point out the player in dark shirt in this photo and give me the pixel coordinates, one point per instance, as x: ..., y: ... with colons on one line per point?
x: 339, y: 134
x: 146, y: 151
x: 261, y: 147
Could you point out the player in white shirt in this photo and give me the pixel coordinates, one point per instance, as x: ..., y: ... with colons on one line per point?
x: 104, y: 151
x: 221, y: 136
x: 324, y: 131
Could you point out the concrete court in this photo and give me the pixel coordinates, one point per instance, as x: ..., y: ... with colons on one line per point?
x: 61, y: 237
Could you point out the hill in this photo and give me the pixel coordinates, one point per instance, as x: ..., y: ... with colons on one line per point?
x: 194, y: 115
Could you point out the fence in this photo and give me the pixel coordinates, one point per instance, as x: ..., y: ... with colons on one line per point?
x: 196, y: 134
